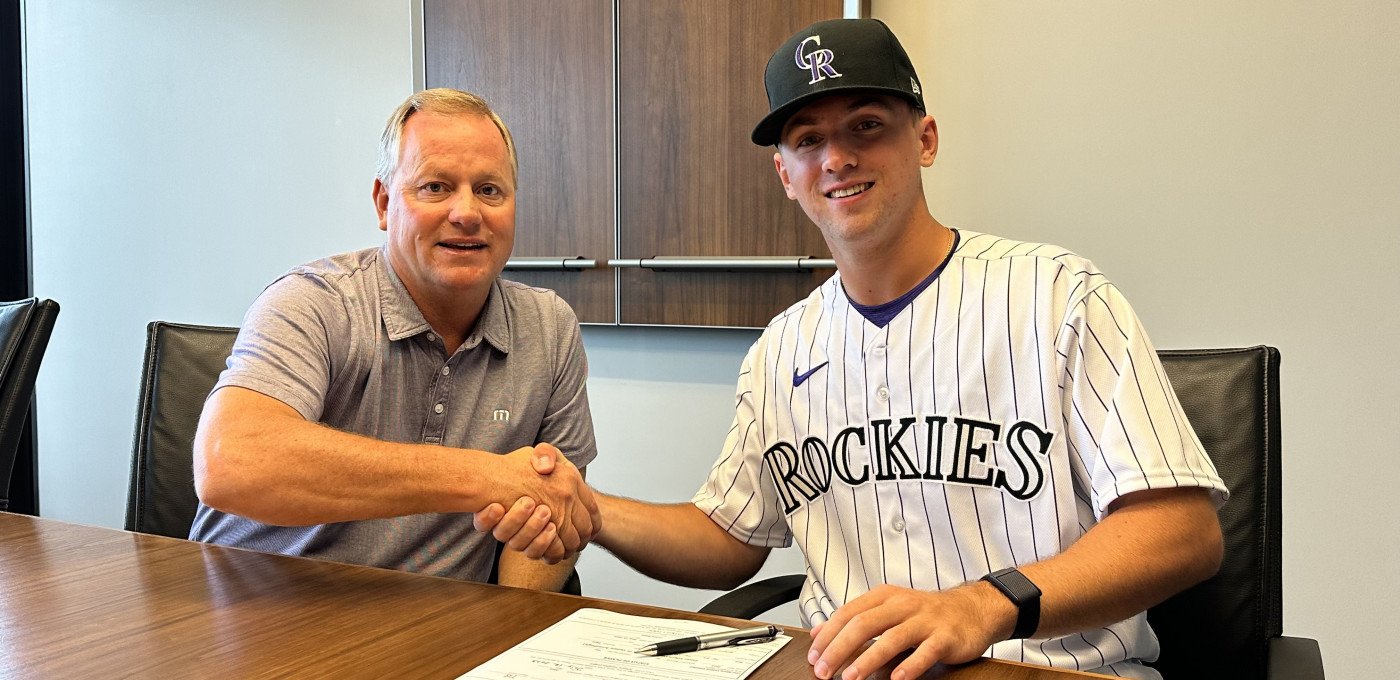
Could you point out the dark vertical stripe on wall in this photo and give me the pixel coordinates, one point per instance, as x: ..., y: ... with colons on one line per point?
x: 15, y: 275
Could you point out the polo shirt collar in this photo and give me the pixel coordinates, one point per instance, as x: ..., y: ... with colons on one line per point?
x: 403, y: 319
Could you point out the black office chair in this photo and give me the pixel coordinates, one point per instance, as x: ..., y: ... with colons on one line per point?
x: 25, y: 328
x: 183, y: 362
x: 1231, y: 625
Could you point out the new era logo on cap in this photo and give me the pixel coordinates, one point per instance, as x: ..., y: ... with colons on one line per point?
x: 830, y: 57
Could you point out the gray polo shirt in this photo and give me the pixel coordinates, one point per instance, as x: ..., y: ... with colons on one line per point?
x: 341, y: 341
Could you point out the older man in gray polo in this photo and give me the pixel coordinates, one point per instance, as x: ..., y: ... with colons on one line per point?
x: 376, y: 400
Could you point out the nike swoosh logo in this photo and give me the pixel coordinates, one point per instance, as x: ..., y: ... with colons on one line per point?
x: 799, y: 378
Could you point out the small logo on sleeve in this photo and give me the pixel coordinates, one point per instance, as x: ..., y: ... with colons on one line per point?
x: 500, y: 415
x: 799, y: 378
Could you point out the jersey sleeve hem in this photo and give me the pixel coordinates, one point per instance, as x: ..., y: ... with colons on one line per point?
x: 1218, y: 493
x: 711, y: 506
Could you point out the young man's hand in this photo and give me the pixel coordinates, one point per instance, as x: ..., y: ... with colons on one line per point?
x: 951, y: 626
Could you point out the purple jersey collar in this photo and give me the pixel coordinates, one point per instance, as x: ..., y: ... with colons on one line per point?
x: 882, y: 314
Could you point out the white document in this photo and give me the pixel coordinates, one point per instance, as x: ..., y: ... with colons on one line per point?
x: 596, y: 643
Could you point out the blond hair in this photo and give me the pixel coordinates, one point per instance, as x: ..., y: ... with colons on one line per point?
x: 441, y: 100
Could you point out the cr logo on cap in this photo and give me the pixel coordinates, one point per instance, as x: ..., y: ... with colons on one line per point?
x: 818, y: 61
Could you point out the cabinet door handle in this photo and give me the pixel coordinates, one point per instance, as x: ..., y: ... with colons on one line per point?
x: 552, y: 263
x: 723, y: 263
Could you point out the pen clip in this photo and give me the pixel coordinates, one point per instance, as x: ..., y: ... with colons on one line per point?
x: 763, y: 635
x: 751, y: 640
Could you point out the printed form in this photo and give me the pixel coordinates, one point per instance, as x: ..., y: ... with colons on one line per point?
x: 595, y: 643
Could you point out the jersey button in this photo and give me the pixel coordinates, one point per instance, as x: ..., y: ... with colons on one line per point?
x: 431, y: 337
x: 437, y: 409
x: 446, y: 370
x: 898, y: 525
x: 883, y: 394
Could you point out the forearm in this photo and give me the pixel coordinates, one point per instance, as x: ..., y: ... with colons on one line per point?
x: 517, y: 570
x: 676, y: 543
x: 1149, y: 546
x: 1157, y: 543
x: 258, y: 458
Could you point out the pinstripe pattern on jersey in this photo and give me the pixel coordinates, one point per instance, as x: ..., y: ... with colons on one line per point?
x: 1015, y: 347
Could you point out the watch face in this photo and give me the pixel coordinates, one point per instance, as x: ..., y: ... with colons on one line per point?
x: 1016, y: 585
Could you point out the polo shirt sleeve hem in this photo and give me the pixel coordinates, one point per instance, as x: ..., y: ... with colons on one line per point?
x: 272, y: 389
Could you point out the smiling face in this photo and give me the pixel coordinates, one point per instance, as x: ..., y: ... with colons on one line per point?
x: 449, y: 210
x: 853, y: 162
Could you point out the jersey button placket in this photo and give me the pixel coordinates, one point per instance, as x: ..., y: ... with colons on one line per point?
x: 875, y: 369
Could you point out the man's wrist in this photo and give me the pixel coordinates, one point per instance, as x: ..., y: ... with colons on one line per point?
x: 1023, y: 595
x: 608, y: 512
x: 999, y: 613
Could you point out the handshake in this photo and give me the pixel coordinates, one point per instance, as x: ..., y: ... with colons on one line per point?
x: 554, y: 515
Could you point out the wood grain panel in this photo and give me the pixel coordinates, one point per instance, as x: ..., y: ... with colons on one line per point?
x: 87, y: 602
x: 690, y: 89
x: 724, y: 299
x: 547, y: 69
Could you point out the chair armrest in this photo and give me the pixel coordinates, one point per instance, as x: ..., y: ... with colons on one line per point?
x: 573, y: 586
x: 753, y: 599
x: 1294, y: 658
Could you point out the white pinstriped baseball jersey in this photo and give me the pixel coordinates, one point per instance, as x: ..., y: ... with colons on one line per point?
x: 988, y: 425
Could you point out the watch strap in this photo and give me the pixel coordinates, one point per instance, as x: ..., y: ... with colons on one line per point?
x: 1022, y: 593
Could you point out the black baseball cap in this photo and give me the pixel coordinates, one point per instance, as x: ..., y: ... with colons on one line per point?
x: 832, y: 57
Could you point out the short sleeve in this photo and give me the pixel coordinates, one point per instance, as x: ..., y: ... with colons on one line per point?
x: 285, y: 346
x: 568, y: 422
x: 1123, y: 419
x: 739, y: 495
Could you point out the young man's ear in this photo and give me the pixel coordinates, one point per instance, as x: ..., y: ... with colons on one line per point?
x: 928, y: 138
x: 782, y: 175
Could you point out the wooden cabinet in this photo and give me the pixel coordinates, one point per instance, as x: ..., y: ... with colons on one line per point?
x: 632, y: 119
x: 547, y: 68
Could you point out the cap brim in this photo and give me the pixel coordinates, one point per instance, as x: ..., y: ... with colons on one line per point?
x: 770, y: 129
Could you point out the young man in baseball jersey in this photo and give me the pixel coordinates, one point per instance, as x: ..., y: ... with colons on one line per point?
x: 970, y: 437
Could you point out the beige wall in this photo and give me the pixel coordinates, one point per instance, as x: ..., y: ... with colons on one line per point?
x: 1235, y: 167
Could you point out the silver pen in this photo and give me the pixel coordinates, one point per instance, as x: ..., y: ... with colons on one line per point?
x: 728, y: 638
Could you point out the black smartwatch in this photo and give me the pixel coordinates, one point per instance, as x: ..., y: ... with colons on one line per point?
x: 1022, y: 593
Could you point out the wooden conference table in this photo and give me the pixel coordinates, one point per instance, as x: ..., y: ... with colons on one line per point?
x: 87, y: 602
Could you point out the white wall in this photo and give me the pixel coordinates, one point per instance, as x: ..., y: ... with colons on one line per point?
x: 1235, y: 167
x: 181, y: 156
x: 1209, y: 156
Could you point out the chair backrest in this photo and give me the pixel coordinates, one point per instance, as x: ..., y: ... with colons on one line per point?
x: 25, y: 328
x: 1221, y: 628
x: 182, y: 364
